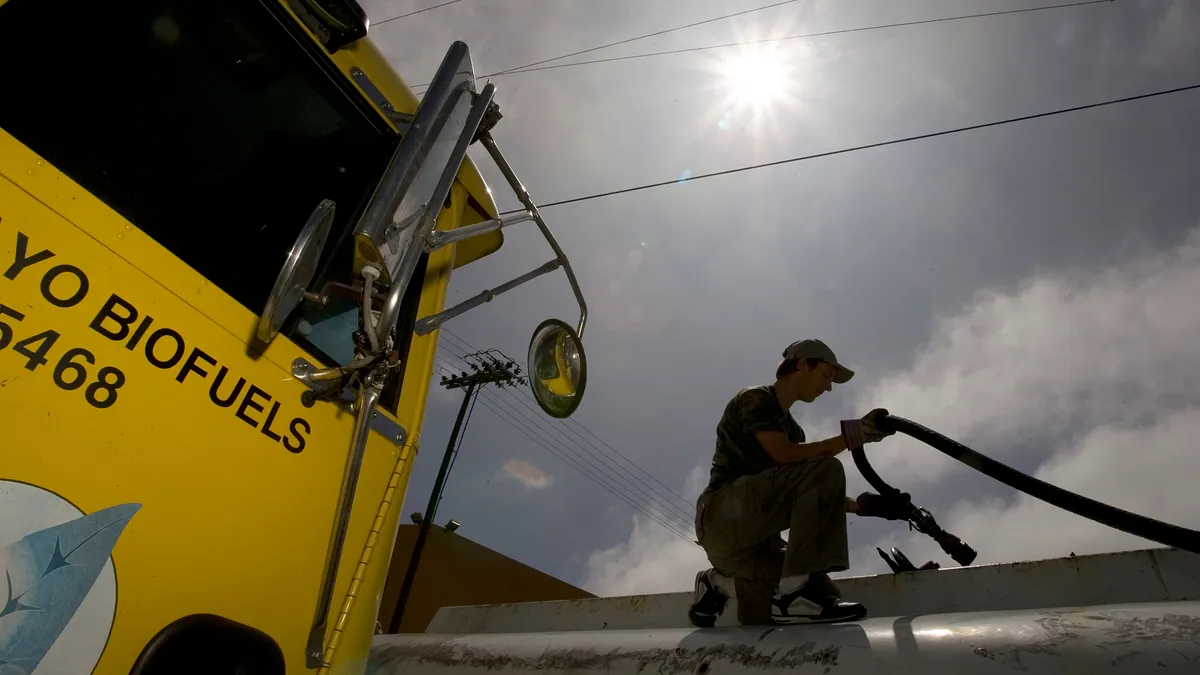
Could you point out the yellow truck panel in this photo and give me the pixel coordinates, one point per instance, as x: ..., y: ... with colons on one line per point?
x: 204, y: 431
x: 170, y: 485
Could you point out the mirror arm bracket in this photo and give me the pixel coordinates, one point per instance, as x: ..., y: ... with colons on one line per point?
x: 432, y: 322
x: 522, y: 194
x: 323, y: 382
x: 312, y: 376
x: 440, y: 238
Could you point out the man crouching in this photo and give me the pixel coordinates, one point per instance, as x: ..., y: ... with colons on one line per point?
x: 765, y: 479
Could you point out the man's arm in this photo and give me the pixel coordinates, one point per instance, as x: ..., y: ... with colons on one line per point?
x: 758, y: 414
x: 783, y: 451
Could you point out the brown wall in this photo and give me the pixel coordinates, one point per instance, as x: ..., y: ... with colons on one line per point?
x: 455, y: 572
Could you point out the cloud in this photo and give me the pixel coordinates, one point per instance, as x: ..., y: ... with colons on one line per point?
x: 1063, y: 353
x: 653, y: 559
x: 529, y: 474
x: 1098, y: 366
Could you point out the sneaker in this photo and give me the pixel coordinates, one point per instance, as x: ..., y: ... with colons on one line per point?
x: 708, y: 601
x: 815, y: 601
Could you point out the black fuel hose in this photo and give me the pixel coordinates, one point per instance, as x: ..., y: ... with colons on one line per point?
x: 918, y: 518
x: 1132, y: 523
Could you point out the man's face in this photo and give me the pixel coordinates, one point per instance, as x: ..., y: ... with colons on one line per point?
x: 815, y: 381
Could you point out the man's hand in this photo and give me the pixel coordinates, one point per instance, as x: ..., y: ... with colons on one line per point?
x: 872, y: 426
x: 871, y: 505
x: 866, y: 430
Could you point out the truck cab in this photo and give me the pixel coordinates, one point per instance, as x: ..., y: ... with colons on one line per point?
x: 228, y: 230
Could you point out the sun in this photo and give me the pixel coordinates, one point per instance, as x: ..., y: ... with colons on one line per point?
x: 756, y: 78
x: 765, y: 88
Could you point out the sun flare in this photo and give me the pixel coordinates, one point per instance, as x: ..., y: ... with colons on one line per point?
x: 757, y: 78
x: 764, y: 88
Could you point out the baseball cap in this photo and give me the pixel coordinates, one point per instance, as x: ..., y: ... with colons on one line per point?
x: 815, y: 349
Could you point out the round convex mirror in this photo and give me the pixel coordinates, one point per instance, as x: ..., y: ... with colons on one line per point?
x: 297, y: 272
x: 557, y: 368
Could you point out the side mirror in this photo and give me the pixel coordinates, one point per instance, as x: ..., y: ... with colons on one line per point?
x: 297, y: 272
x: 557, y: 368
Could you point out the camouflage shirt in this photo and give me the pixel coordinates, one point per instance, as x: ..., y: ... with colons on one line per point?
x: 738, y: 452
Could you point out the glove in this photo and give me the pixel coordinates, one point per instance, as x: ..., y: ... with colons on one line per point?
x: 869, y: 429
x: 872, y: 426
x: 871, y: 505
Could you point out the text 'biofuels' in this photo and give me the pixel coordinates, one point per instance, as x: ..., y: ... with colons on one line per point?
x: 119, y: 320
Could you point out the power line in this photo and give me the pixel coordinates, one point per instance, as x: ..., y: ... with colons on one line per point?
x: 613, y: 484
x: 681, y: 511
x: 673, y: 510
x: 635, y: 39
x: 648, y: 35
x: 507, y: 417
x: 405, y: 16
x: 572, y: 422
x: 670, y: 525
x: 869, y: 146
x: 527, y: 402
x: 843, y: 31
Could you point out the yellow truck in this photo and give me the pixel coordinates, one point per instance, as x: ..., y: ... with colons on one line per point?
x: 228, y: 229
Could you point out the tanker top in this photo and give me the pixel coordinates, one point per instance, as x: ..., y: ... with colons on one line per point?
x: 1131, y: 613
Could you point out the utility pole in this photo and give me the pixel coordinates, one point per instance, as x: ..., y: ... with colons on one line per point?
x: 487, y: 368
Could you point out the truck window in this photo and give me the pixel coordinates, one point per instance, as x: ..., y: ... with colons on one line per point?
x: 216, y: 127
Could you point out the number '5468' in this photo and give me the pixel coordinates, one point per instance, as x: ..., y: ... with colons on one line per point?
x: 70, y: 372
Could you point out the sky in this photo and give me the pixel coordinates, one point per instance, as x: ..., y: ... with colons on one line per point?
x: 1027, y: 289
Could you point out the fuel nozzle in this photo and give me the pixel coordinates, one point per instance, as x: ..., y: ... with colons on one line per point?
x: 956, y: 548
x: 924, y: 522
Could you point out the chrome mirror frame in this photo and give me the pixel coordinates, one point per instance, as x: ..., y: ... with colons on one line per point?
x: 555, y: 335
x: 297, y: 273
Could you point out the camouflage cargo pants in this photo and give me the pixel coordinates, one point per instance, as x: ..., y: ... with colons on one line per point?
x: 739, y: 527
